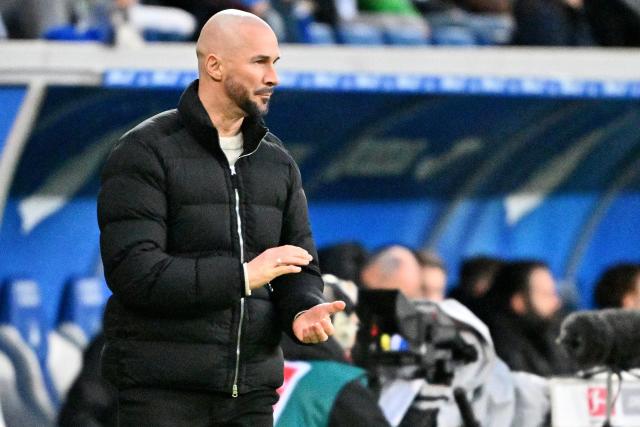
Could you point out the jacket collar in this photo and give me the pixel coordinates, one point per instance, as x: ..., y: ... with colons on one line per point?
x: 197, y: 121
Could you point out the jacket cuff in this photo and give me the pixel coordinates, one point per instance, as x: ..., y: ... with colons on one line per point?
x: 247, y: 288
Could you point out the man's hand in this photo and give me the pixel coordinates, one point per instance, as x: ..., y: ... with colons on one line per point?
x: 275, y: 262
x: 314, y: 325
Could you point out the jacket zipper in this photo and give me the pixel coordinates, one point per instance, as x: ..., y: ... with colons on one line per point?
x: 234, y: 390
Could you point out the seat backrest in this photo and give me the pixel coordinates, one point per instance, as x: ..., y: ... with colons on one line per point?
x: 23, y: 341
x: 21, y: 307
x: 360, y: 34
x: 14, y: 410
x: 81, y: 309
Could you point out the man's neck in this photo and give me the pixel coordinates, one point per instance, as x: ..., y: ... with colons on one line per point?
x: 225, y: 116
x: 226, y: 126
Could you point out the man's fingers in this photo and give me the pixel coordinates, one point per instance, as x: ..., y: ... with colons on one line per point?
x: 314, y: 334
x: 336, y: 306
x: 286, y: 269
x: 292, y: 260
x: 317, y: 333
x: 327, y: 326
x: 295, y: 251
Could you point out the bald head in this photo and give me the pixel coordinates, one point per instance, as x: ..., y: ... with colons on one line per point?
x: 237, y: 52
x: 395, y: 267
x: 228, y: 30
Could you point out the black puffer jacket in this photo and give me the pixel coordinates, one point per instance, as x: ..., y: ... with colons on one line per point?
x: 172, y: 254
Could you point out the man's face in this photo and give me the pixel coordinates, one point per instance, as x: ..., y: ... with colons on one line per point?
x: 250, y: 75
x: 631, y: 299
x: 542, y: 293
x: 434, y: 281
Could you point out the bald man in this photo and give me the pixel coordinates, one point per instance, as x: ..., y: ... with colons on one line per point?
x: 394, y: 267
x: 206, y: 245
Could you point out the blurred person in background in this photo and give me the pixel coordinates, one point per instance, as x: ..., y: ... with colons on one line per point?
x: 343, y: 260
x: 29, y: 19
x: 394, y: 267
x: 203, y: 9
x: 120, y: 22
x: 614, y: 22
x: 434, y: 275
x: 551, y: 23
x: 618, y: 287
x: 476, y: 276
x: 206, y: 246
x: 521, y: 308
x: 3, y: 29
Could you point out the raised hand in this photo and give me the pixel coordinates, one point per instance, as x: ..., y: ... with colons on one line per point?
x: 314, y: 325
x: 275, y: 262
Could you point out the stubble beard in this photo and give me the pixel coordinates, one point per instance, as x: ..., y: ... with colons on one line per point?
x: 242, y: 98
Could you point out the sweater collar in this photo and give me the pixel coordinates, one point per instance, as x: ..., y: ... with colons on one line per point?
x: 197, y: 121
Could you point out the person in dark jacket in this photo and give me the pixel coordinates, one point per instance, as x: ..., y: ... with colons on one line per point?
x: 521, y: 309
x: 207, y: 247
x: 618, y: 287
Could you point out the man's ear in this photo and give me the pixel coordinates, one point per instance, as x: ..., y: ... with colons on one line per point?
x: 518, y: 304
x: 213, y: 66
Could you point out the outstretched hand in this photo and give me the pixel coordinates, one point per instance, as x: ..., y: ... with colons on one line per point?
x: 314, y: 325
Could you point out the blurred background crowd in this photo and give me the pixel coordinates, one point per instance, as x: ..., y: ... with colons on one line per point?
x: 359, y: 22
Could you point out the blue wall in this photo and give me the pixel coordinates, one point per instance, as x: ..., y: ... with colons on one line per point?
x: 513, y: 176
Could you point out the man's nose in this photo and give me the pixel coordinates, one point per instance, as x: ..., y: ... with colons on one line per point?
x: 271, y: 77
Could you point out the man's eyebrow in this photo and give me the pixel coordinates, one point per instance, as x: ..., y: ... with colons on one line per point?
x: 263, y: 58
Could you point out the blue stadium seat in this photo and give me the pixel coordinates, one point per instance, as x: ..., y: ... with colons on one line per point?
x: 23, y: 341
x: 453, y: 36
x: 14, y: 409
x: 360, y: 34
x: 319, y: 33
x: 492, y: 30
x: 80, y: 318
x: 412, y: 36
x: 81, y: 309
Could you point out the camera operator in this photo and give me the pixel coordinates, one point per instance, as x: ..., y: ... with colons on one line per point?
x: 493, y: 394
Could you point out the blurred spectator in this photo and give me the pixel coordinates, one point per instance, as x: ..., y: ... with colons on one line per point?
x: 205, y: 9
x: 468, y: 22
x: 434, y: 275
x: 29, y: 19
x: 391, y: 16
x: 344, y: 260
x: 332, y: 392
x: 521, y: 309
x: 476, y: 275
x: 3, y: 30
x: 122, y: 22
x: 551, y: 23
x: 394, y: 267
x: 619, y: 287
x: 399, y: 7
x: 614, y: 22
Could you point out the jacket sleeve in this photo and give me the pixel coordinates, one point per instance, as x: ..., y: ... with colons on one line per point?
x: 297, y: 292
x: 132, y: 215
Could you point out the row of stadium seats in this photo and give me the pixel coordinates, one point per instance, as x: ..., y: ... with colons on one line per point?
x: 38, y: 366
x: 488, y: 32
